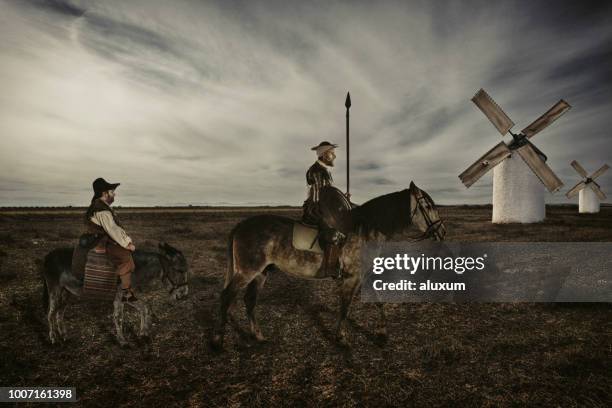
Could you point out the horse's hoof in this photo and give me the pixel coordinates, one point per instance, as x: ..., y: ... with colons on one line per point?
x: 144, y: 339
x: 381, y: 339
x: 341, y: 341
x: 216, y: 343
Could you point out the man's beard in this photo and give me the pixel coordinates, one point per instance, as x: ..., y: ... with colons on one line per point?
x: 327, y: 162
x: 110, y: 200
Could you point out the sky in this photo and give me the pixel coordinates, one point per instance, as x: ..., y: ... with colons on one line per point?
x: 219, y: 102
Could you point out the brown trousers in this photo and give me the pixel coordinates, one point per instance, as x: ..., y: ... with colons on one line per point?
x: 121, y: 258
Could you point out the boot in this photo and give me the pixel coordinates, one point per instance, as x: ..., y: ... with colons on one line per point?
x: 127, y: 295
x: 330, y: 267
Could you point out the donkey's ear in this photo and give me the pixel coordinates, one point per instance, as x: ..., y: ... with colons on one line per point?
x: 412, y: 185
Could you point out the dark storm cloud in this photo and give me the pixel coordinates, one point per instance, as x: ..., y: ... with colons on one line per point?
x: 59, y: 7
x: 368, y: 165
x: 227, y: 96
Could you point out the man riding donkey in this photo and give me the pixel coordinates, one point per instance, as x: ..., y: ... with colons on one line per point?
x: 104, y: 232
x: 331, y: 239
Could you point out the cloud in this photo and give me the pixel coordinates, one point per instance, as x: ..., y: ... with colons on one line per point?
x: 59, y: 7
x: 188, y: 102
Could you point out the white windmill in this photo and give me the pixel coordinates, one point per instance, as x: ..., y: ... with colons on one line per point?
x: 589, y: 198
x: 519, y: 167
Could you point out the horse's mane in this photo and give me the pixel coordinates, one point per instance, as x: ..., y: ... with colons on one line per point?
x: 387, y: 214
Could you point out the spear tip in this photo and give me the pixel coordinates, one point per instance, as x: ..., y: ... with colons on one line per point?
x: 347, y: 103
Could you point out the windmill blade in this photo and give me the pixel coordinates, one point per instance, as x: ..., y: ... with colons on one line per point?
x: 492, y: 111
x: 546, y: 119
x: 597, y: 191
x: 540, y: 168
x: 574, y: 190
x: 579, y: 169
x: 599, y: 172
x: 490, y: 159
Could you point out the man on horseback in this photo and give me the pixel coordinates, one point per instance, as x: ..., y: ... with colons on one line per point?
x: 101, y: 221
x: 319, y: 176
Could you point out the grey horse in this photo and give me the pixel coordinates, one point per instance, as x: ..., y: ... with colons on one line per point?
x: 169, y: 265
x: 262, y: 243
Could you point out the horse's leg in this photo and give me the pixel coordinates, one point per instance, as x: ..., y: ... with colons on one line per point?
x: 118, y: 319
x: 381, y: 331
x: 250, y: 300
x: 145, y: 317
x: 228, y: 296
x: 348, y: 289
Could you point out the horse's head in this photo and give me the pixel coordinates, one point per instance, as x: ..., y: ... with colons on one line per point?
x: 425, y: 214
x: 175, y: 271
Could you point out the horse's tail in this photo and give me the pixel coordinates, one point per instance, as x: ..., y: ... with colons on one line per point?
x: 45, y: 292
x: 229, y: 273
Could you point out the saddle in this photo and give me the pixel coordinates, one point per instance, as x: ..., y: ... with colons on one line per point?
x: 334, y: 210
x: 98, y: 274
x: 306, y: 237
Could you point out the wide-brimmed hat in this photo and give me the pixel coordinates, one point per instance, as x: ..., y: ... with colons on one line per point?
x: 100, y: 185
x: 323, y: 147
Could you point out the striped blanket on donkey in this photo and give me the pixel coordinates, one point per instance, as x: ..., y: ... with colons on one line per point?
x: 100, y: 279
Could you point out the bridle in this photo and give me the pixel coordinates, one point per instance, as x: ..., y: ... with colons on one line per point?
x: 433, y: 227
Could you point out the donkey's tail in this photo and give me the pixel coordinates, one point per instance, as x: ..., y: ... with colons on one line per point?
x: 45, y: 292
x: 229, y: 273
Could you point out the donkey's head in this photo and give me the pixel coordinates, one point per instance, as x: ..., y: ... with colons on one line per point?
x: 175, y: 271
x: 425, y: 215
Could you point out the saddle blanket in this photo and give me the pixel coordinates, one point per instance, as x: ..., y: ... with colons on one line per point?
x: 304, y: 236
x: 100, y: 277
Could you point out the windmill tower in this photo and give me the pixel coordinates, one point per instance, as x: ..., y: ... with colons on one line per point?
x: 588, y: 198
x: 519, y: 168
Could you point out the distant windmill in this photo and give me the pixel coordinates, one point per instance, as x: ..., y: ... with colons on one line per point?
x: 588, y: 200
x: 520, y: 167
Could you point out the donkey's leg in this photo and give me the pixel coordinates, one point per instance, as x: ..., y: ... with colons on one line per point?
x: 250, y: 300
x: 145, y: 317
x: 54, y: 295
x: 348, y: 289
x: 118, y: 318
x: 59, y: 314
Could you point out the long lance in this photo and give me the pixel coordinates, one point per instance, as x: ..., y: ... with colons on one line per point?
x: 347, y: 103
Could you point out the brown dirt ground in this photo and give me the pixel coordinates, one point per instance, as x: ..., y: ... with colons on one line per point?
x: 437, y: 354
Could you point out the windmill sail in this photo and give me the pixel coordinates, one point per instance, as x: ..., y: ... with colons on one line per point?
x: 595, y: 187
x: 579, y: 169
x: 574, y: 190
x: 540, y: 168
x: 490, y: 159
x: 599, y: 172
x: 547, y: 118
x: 492, y: 111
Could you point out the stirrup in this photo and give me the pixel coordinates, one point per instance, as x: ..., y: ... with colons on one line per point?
x: 338, y: 274
x: 127, y: 295
x: 334, y: 272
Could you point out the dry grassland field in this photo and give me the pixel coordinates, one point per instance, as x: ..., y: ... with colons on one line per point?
x: 438, y: 354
